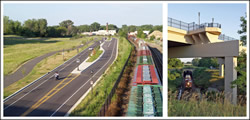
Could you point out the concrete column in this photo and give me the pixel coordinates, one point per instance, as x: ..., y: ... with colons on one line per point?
x: 230, y: 75
x: 221, y: 69
x: 221, y: 62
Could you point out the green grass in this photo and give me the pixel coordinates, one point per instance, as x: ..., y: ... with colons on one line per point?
x: 203, y: 108
x: 95, y: 56
x: 91, y: 105
x: 18, y: 50
x: 40, y: 69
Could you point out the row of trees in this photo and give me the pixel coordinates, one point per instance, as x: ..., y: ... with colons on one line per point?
x: 205, y: 62
x: 131, y: 28
x: 40, y: 28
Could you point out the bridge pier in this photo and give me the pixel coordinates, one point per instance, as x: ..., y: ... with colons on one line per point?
x: 221, y: 62
x: 230, y: 76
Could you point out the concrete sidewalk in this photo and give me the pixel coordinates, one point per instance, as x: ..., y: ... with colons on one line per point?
x: 84, y: 65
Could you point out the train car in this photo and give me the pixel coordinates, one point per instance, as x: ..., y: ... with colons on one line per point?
x: 146, y: 92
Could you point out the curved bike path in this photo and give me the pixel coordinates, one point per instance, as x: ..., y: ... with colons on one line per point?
x: 28, y: 67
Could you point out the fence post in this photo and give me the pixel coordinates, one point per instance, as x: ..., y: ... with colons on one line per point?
x: 180, y: 24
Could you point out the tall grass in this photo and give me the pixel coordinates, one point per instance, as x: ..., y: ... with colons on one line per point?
x: 207, y: 106
x: 91, y: 104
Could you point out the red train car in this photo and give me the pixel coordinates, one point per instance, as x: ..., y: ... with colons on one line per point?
x: 145, y: 75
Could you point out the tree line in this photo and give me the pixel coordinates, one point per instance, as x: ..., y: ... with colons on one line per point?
x: 66, y: 28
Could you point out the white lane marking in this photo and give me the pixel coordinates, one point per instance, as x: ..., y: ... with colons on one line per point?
x: 37, y: 86
x: 109, y: 44
x: 82, y: 85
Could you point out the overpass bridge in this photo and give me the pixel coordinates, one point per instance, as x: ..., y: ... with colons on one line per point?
x: 190, y: 40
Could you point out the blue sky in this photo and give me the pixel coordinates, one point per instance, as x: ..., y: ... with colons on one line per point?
x: 228, y: 15
x: 87, y: 13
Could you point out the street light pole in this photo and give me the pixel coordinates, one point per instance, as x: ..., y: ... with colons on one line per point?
x: 91, y: 82
x: 78, y: 61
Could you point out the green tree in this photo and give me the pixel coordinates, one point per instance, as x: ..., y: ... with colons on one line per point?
x: 195, y: 62
x: 158, y: 27
x: 95, y: 26
x: 241, y: 69
x: 152, y: 37
x: 42, y: 24
x: 61, y: 31
x: 84, y: 28
x: 243, y: 30
x: 12, y: 27
x: 174, y: 63
x: 207, y: 62
x: 6, y: 28
x: 132, y: 28
x: 122, y: 33
x: 68, y: 24
x: 140, y: 33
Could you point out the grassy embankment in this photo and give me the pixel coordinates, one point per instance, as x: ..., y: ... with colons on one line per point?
x: 91, y: 104
x: 18, y: 50
x: 45, y: 65
x: 204, y: 107
x: 96, y: 53
x: 212, y: 104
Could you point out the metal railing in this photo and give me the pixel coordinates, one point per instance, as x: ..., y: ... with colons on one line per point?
x: 190, y: 26
x: 193, y: 26
x: 226, y: 38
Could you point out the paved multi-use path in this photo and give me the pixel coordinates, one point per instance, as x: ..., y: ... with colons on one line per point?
x: 28, y: 66
x: 50, y: 97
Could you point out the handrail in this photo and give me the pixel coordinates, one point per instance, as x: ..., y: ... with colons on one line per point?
x: 193, y: 26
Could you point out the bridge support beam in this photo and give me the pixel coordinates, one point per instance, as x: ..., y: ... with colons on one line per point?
x: 221, y: 62
x: 230, y: 76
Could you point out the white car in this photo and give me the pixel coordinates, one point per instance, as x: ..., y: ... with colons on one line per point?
x: 90, y: 48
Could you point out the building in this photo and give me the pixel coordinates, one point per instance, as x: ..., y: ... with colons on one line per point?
x: 157, y: 34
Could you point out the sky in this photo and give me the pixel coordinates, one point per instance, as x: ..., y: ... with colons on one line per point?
x: 228, y: 15
x: 87, y: 13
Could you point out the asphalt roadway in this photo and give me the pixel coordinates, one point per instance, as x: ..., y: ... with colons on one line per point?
x: 50, y: 97
x: 28, y: 66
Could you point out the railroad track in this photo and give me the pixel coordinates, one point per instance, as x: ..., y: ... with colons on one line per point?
x: 157, y: 57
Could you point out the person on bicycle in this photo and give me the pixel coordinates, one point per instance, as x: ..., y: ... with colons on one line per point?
x: 57, y: 76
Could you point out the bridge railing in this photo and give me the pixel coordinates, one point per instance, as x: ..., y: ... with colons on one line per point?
x: 190, y: 26
x: 193, y: 26
x: 226, y: 38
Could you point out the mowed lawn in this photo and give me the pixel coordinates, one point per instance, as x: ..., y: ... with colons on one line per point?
x: 18, y: 50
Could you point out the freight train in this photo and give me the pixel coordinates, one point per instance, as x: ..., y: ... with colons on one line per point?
x: 146, y: 92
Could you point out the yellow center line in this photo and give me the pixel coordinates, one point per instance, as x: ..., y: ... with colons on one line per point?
x: 49, y: 95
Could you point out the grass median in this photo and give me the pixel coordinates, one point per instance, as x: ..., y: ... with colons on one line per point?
x: 42, y: 68
x: 91, y: 104
x: 97, y: 52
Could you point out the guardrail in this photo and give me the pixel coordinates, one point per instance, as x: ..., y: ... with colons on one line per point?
x: 192, y: 26
x: 105, y: 106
